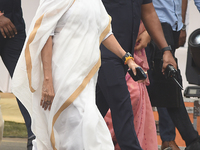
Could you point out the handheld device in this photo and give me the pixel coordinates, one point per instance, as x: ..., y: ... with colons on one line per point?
x: 171, y: 72
x: 140, y: 74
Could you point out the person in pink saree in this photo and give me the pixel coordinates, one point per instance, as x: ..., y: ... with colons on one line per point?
x: 143, y: 115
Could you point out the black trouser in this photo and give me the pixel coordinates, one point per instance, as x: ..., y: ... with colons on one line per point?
x: 178, y: 115
x: 112, y: 92
x: 10, y: 49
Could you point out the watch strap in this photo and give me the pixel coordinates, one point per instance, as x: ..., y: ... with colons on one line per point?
x: 168, y: 48
x: 184, y: 26
x: 126, y: 57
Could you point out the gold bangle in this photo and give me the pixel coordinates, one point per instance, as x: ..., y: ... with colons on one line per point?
x: 127, y: 58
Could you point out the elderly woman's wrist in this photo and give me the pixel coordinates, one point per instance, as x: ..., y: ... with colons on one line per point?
x: 48, y: 78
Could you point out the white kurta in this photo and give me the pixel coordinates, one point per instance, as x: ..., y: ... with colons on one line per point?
x: 74, y: 122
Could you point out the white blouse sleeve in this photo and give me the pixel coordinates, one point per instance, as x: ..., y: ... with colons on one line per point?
x: 109, y: 33
x: 52, y: 33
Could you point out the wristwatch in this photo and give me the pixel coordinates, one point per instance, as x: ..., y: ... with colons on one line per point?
x: 184, y: 27
x: 126, y: 57
x: 168, y: 48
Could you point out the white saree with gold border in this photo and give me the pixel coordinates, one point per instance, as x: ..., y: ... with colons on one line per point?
x: 74, y: 122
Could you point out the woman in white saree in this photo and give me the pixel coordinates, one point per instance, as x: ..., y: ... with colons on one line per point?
x: 55, y: 77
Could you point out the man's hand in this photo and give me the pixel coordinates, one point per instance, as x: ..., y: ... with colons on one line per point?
x: 7, y: 27
x: 142, y: 40
x: 168, y: 59
x: 182, y: 38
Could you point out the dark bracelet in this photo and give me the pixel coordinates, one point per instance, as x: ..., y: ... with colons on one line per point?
x: 126, y: 57
x: 168, y: 48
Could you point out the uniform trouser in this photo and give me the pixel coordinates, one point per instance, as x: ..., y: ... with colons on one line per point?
x: 166, y: 125
x: 182, y: 122
x: 112, y: 92
x: 10, y: 49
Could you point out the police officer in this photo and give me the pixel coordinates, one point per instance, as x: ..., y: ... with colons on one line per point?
x: 12, y: 37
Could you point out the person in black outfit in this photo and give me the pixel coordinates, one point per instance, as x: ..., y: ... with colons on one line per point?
x: 111, y: 90
x: 12, y: 38
x: 175, y: 34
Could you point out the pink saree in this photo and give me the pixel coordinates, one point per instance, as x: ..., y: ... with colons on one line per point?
x: 143, y: 115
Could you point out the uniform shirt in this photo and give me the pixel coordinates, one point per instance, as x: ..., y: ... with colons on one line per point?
x: 169, y: 11
x: 12, y: 10
x: 126, y: 15
x: 197, y: 3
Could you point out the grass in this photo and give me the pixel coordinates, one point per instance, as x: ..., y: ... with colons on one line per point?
x: 14, y: 130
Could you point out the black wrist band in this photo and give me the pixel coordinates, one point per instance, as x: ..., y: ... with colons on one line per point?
x: 125, y: 56
x: 168, y: 48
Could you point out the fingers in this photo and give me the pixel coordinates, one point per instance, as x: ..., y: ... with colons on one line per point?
x: 7, y: 32
x: 165, y: 63
x: 3, y: 33
x: 7, y: 28
x: 142, y: 44
x: 46, y: 100
x: 138, y: 47
x: 14, y: 30
x: 137, y: 40
x: 10, y: 30
x: 168, y: 59
x: 138, y: 44
x: 134, y: 68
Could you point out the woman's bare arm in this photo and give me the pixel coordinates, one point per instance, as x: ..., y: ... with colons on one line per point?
x: 47, y: 88
x: 112, y: 44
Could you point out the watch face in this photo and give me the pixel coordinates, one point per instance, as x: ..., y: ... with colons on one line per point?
x: 184, y: 27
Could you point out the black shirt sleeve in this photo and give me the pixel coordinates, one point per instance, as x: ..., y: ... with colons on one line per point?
x: 146, y: 1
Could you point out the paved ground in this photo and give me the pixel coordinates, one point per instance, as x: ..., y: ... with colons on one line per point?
x: 13, y: 144
x: 20, y: 144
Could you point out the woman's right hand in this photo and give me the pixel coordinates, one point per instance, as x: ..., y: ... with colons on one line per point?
x: 132, y: 65
x: 47, y: 94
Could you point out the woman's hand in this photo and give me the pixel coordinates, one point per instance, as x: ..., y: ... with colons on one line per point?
x: 132, y: 65
x: 142, y: 40
x: 47, y: 94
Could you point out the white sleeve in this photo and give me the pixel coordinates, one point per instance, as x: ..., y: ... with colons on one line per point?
x: 109, y: 33
x: 52, y: 33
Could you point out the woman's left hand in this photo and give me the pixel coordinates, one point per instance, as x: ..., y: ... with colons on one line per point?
x: 47, y: 94
x: 142, y: 40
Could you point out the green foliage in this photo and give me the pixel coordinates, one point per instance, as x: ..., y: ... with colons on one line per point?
x: 15, y: 130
